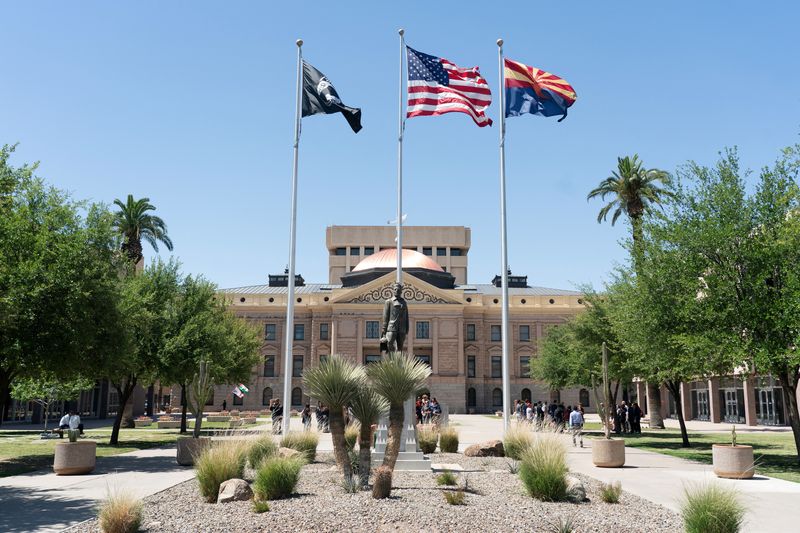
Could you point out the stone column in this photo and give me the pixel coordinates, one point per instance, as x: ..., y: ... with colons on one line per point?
x: 750, y: 402
x: 641, y: 395
x: 359, y: 359
x: 334, y: 333
x: 664, y: 401
x: 435, y: 347
x: 461, y: 355
x: 714, y: 408
x: 686, y: 401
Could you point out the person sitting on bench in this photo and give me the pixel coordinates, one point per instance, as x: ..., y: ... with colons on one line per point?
x: 62, y: 425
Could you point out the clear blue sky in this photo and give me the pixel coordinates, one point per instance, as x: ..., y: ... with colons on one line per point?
x: 192, y: 104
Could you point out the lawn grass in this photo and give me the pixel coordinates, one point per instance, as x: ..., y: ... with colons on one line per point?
x: 23, y: 451
x: 775, y: 452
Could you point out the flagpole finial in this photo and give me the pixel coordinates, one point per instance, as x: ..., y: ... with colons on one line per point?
x: 299, y: 42
x: 499, y: 42
x: 401, y: 31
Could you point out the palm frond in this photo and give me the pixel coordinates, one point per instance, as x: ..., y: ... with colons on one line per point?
x: 397, y: 376
x: 334, y: 382
x: 368, y: 406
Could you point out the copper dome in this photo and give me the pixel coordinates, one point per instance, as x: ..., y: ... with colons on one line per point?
x: 388, y: 259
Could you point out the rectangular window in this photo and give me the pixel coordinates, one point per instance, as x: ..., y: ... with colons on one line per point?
x: 369, y: 250
x: 423, y: 330
x: 424, y: 358
x: 497, y: 335
x: 238, y: 400
x: 323, y: 358
x: 372, y: 331
x: 524, y: 333
x: 427, y: 250
x: 524, y: 366
x: 470, y: 332
x: 497, y: 366
x: 323, y: 331
x: 371, y: 358
x: 269, y: 366
x: 270, y: 332
x: 354, y: 250
x: 299, y: 332
x: 341, y: 251
x: 441, y: 251
x: 455, y: 252
x: 471, y: 366
x: 297, y: 366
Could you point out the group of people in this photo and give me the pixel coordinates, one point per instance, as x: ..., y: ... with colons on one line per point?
x: 552, y: 415
x: 428, y: 410
x: 71, y: 420
x: 627, y: 418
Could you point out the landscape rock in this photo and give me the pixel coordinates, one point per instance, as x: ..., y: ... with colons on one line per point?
x: 288, y: 452
x: 234, y: 490
x: 489, y: 448
x: 576, y: 491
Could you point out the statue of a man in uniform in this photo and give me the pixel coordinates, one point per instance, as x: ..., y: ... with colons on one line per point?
x: 394, y: 326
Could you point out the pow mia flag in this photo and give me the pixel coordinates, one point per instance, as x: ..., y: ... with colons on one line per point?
x: 320, y: 96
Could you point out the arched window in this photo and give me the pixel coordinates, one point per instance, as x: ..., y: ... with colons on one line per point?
x: 297, y: 396
x: 583, y: 395
x: 555, y: 396
x: 472, y: 399
x: 526, y: 394
x: 210, y: 400
x: 497, y: 398
x: 266, y: 396
x: 238, y: 400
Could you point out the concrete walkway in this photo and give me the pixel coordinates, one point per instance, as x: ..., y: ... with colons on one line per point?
x: 43, y: 501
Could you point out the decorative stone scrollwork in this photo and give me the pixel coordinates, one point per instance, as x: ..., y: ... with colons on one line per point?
x: 410, y: 294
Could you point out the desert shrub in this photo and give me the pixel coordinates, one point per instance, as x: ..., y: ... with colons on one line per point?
x: 304, y: 442
x: 277, y: 477
x: 711, y: 508
x: 351, y: 484
x: 455, y: 497
x: 260, y: 449
x: 516, y: 441
x: 218, y: 463
x: 610, y: 492
x: 121, y: 512
x: 427, y: 439
x: 446, y: 478
x: 448, y: 440
x: 351, y: 435
x: 260, y: 507
x: 513, y: 467
x: 563, y: 525
x: 543, y: 469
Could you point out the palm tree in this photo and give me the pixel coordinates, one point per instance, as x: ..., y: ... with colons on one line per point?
x: 634, y: 189
x: 396, y: 377
x: 368, y: 406
x: 335, y: 382
x: 134, y: 224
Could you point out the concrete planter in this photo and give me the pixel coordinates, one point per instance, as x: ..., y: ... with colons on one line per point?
x: 73, y: 458
x: 172, y: 424
x: 189, y: 448
x: 608, y: 453
x: 235, y: 423
x: 249, y: 420
x: 143, y: 423
x: 218, y: 418
x: 733, y: 462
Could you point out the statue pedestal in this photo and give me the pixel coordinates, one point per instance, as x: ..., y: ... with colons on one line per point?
x: 409, y: 458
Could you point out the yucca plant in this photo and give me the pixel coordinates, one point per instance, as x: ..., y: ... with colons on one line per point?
x: 335, y: 382
x: 368, y: 406
x: 396, y: 377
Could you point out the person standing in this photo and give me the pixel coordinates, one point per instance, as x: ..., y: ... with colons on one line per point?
x: 576, y: 425
x: 635, y: 417
x: 225, y: 405
x: 306, y: 417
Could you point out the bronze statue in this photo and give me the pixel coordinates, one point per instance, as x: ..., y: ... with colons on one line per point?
x: 394, y: 326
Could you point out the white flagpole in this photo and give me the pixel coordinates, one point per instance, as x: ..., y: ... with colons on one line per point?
x: 504, y: 243
x: 400, y: 129
x: 287, y: 360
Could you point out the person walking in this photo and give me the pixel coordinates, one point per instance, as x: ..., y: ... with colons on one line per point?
x: 576, y: 425
x: 306, y: 417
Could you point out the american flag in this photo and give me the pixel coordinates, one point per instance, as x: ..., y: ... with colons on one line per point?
x: 436, y: 86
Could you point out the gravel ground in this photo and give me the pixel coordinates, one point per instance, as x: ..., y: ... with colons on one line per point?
x: 417, y: 505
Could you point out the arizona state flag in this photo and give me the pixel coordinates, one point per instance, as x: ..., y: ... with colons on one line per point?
x: 532, y: 90
x: 320, y: 96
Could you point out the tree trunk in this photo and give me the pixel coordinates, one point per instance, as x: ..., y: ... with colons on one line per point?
x: 654, y: 406
x: 396, y: 420
x: 364, y: 454
x: 183, y: 407
x: 5, y: 394
x: 150, y: 398
x: 339, y: 445
x: 675, y: 389
x: 124, y: 394
x: 790, y: 394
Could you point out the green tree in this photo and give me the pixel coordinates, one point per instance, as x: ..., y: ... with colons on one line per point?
x: 634, y: 189
x: 396, y: 377
x: 134, y: 224
x: 368, y: 406
x: 47, y: 390
x: 59, y: 281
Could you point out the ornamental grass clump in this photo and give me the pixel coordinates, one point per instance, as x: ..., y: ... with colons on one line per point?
x: 427, y: 439
x: 711, y: 508
x: 277, y: 477
x: 260, y: 449
x: 455, y: 497
x: 121, y: 512
x: 543, y: 469
x: 610, y: 492
x: 304, y: 442
x: 446, y: 478
x: 516, y: 441
x: 218, y: 463
x: 448, y: 440
x: 351, y: 435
